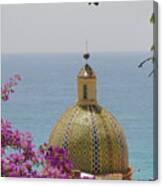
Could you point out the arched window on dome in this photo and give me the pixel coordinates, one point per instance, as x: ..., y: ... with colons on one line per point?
x: 85, y: 92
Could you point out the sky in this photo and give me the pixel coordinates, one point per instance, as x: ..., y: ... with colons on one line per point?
x: 64, y: 27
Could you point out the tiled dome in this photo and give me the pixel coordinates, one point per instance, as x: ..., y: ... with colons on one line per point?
x: 95, y: 140
x: 93, y: 137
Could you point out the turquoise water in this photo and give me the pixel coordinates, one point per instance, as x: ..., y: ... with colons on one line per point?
x: 48, y: 87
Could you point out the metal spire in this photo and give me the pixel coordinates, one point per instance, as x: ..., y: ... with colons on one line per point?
x: 86, y: 54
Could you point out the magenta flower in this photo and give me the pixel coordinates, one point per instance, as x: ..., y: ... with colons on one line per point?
x: 21, y: 158
x: 7, y: 88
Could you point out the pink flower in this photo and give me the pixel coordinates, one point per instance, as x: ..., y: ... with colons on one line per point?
x: 7, y: 88
x: 21, y: 158
x: 18, y: 77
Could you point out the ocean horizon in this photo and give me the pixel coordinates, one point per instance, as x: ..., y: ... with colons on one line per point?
x: 49, y: 87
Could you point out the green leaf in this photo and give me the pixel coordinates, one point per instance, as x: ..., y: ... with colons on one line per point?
x: 152, y: 48
x: 152, y: 19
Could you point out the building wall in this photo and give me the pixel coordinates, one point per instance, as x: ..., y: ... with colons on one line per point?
x: 91, y: 90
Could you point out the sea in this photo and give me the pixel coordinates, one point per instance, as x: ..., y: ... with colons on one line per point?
x: 49, y: 86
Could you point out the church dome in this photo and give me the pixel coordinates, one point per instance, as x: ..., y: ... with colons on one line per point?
x: 93, y: 137
x: 95, y: 140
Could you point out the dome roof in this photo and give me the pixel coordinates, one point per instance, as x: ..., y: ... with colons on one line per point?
x: 94, y: 139
x: 86, y: 72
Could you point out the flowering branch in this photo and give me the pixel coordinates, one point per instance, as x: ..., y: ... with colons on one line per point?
x: 7, y: 88
x: 21, y: 158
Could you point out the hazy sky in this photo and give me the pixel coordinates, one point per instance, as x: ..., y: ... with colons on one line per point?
x: 111, y: 26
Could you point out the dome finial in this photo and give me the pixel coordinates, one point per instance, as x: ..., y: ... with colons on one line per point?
x: 86, y: 54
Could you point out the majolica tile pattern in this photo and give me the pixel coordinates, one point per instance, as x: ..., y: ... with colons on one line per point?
x: 95, y: 140
x: 93, y: 137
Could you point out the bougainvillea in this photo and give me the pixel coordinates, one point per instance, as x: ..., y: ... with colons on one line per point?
x: 21, y: 158
x: 7, y: 88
